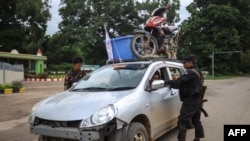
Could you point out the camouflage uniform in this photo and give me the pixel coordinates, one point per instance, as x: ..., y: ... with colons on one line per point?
x: 73, y: 77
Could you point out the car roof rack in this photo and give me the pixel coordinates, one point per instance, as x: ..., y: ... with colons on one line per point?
x: 166, y: 59
x: 152, y: 59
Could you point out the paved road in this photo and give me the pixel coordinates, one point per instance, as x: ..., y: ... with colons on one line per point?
x: 15, y: 109
x: 228, y: 102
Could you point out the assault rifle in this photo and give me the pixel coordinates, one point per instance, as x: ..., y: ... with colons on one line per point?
x: 204, y: 88
x: 204, y: 100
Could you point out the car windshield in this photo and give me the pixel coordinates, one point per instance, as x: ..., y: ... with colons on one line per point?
x: 112, y: 77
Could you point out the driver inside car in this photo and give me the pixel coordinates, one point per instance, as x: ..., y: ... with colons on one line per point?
x: 156, y: 76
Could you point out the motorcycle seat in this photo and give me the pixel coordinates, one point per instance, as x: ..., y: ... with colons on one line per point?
x: 171, y: 28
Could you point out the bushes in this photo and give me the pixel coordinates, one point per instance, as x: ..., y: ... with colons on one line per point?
x: 17, y: 84
x: 61, y: 67
x: 5, y: 86
x: 14, y: 87
x: 41, y: 75
x: 53, y: 71
x: 44, y: 75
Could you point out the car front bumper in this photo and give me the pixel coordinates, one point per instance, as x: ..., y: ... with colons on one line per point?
x: 65, y: 133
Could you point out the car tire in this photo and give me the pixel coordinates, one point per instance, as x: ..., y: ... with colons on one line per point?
x: 137, y: 132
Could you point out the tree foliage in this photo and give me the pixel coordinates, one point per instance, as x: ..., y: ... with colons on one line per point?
x: 219, y: 26
x: 23, y: 24
x: 83, y: 22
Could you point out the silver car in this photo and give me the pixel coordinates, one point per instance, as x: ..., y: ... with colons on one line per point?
x: 117, y: 102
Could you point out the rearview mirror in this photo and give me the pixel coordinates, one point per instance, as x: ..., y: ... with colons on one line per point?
x: 156, y: 84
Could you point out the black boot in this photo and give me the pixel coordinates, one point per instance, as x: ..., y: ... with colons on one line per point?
x: 196, y: 139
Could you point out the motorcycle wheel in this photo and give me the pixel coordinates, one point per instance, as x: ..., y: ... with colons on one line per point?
x: 143, y: 46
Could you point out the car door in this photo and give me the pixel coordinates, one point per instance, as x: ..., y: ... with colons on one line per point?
x: 163, y: 105
x: 175, y: 72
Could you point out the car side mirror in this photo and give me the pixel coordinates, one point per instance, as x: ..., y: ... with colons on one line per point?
x: 156, y: 84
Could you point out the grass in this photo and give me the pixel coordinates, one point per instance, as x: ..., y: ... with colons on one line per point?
x: 225, y: 76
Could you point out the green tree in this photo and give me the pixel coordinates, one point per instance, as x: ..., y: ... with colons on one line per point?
x: 58, y: 52
x: 23, y: 24
x: 83, y: 22
x: 216, y: 26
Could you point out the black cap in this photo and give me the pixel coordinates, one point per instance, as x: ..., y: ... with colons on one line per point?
x: 189, y: 58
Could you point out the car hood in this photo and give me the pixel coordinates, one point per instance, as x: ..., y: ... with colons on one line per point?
x: 68, y: 106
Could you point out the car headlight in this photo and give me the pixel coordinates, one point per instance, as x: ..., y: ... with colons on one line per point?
x: 102, y: 116
x: 32, y: 115
x: 31, y: 118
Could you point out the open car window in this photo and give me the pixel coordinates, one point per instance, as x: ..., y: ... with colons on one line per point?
x: 175, y: 72
x: 159, y: 74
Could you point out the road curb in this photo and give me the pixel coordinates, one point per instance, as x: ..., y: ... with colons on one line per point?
x: 12, y: 91
x: 43, y: 79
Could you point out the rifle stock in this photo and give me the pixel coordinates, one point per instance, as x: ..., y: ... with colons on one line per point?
x: 204, y: 100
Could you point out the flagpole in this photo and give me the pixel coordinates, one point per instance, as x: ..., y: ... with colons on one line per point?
x: 108, y: 45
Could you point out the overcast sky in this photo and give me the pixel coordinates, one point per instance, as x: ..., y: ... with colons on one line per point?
x: 56, y: 19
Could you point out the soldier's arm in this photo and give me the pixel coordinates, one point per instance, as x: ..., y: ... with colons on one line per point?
x: 67, y: 82
x: 173, y: 83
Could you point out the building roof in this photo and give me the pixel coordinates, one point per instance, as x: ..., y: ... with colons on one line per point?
x: 21, y: 56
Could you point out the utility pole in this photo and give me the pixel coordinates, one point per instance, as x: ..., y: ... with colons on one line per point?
x: 213, y: 63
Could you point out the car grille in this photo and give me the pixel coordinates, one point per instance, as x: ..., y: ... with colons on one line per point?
x: 40, y: 121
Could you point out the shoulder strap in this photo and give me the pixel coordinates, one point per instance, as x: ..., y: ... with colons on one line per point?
x: 196, y: 72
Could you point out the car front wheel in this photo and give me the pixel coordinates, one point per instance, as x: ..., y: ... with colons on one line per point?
x: 137, y: 132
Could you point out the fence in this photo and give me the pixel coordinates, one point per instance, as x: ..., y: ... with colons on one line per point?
x: 10, y: 73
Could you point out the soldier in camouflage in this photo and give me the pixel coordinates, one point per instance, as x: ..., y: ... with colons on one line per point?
x: 75, y: 74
